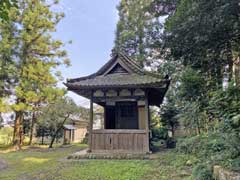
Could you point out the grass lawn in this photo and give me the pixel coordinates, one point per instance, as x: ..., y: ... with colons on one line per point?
x: 41, y: 163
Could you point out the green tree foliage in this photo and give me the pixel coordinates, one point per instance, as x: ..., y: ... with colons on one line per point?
x: 37, y: 87
x: 225, y: 104
x: 205, y: 35
x: 163, y: 7
x: 138, y: 29
x: 8, y: 45
x: 185, y: 103
x: 192, y: 99
x: 54, y: 115
x: 225, y: 107
x: 192, y: 85
x: 28, y: 46
x: 169, y: 119
x: 193, y: 117
x: 5, y: 6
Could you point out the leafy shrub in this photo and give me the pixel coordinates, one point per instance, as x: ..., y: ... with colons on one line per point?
x: 159, y: 133
x: 219, y: 148
x: 158, y: 136
x: 202, y: 172
x: 171, y: 143
x: 235, y: 165
x: 202, y: 145
x: 187, y: 145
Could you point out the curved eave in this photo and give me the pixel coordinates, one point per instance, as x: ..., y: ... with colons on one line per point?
x: 161, y: 84
x: 156, y: 91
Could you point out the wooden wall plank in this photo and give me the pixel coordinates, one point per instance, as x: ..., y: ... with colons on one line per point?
x: 119, y: 140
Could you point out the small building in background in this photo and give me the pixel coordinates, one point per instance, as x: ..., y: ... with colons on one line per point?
x: 75, y: 131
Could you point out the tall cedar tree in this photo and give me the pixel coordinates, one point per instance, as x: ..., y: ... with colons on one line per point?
x: 7, y: 65
x: 35, y: 54
x: 37, y: 87
x: 205, y: 35
x: 137, y: 29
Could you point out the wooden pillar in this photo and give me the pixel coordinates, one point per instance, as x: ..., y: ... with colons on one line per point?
x: 64, y: 136
x: 69, y: 136
x: 73, y: 137
x: 104, y: 118
x: 147, y: 122
x: 90, y: 124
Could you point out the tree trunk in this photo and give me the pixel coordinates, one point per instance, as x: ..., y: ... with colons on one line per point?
x: 18, y: 130
x: 198, y: 130
x: 52, y: 140
x: 236, y: 71
x: 55, y: 135
x: 32, y: 128
x: 173, y: 131
x: 42, y: 136
x: 1, y: 120
x: 58, y: 130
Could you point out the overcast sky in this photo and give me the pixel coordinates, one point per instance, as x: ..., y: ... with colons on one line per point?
x: 91, y: 26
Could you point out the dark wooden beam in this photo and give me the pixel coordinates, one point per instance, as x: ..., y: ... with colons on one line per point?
x: 90, y: 123
x: 117, y: 98
x: 104, y: 119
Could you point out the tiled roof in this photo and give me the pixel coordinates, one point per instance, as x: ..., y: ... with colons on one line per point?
x: 136, y: 76
x: 122, y: 80
x: 69, y: 127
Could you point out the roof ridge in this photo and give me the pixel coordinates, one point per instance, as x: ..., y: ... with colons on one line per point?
x: 133, y: 65
x: 131, y: 61
x: 96, y: 73
x: 134, y: 62
x: 128, y: 61
x: 106, y: 64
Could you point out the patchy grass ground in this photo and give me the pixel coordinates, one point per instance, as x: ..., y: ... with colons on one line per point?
x: 44, y: 164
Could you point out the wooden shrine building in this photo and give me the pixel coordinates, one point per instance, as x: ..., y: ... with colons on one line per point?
x: 125, y: 91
